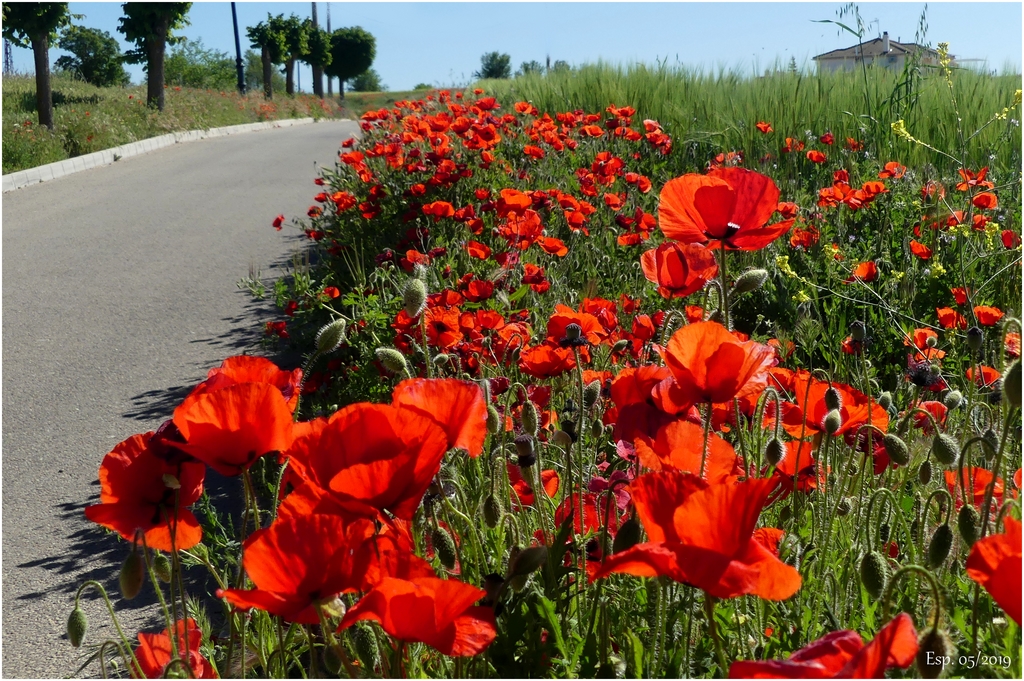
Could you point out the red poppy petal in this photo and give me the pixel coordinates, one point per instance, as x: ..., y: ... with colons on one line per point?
x: 895, y: 645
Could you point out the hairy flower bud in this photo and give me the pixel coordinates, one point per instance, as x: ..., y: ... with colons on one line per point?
x: 528, y: 561
x: 774, y: 451
x: 492, y: 511
x: 833, y: 400
x: 991, y: 438
x: 330, y: 336
x: 597, y: 428
x: 562, y: 439
x: 933, y: 649
x: 967, y: 522
x: 975, y: 338
x: 751, y: 280
x: 162, y: 568
x: 393, y: 360
x: 591, y: 393
x: 953, y: 399
x: 833, y: 421
x: 945, y: 449
x: 366, y: 646
x: 527, y: 455
x: 924, y: 473
x: 884, y: 532
x: 444, y: 547
x: 858, y: 331
x: 874, y: 574
x: 77, y: 626
x: 531, y: 419
x: 1012, y: 385
x: 939, y: 546
x: 493, y: 419
x: 414, y: 297
x: 620, y: 345
x: 133, y: 574
x: 885, y: 400
x: 844, y: 506
x: 897, y: 449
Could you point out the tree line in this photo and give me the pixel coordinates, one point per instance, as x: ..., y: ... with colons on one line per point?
x: 346, y: 53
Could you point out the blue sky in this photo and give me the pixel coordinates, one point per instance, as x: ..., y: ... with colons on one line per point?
x: 441, y: 43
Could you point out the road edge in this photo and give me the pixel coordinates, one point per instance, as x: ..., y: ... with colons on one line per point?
x: 53, y: 171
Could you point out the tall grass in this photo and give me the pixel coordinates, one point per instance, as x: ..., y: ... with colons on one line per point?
x: 718, y: 110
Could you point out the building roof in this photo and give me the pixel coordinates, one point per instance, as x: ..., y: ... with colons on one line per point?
x: 873, y: 48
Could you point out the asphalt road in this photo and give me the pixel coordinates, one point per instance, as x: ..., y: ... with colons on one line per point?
x: 119, y: 293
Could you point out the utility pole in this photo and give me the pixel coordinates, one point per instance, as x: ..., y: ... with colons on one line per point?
x: 8, y: 59
x: 330, y: 81
x: 239, y: 69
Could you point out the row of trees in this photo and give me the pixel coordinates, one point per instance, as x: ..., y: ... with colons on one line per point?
x: 498, y: 65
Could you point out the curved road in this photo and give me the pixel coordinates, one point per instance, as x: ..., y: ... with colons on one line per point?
x: 119, y: 293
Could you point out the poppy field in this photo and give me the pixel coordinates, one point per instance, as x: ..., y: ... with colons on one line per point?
x: 574, y: 402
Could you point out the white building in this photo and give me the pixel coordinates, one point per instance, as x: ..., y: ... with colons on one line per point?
x: 878, y: 52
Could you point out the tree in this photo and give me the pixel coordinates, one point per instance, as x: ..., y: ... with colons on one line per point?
x: 318, y: 55
x: 254, y: 74
x: 190, y: 64
x: 268, y: 37
x: 352, y: 52
x: 494, y: 65
x: 96, y: 59
x: 528, y: 67
x: 368, y: 81
x: 35, y: 24
x: 296, y: 44
x: 149, y: 25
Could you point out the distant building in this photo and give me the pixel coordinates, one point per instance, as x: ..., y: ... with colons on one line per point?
x: 878, y: 52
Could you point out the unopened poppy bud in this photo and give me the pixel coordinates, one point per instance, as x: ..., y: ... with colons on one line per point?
x: 774, y: 451
x: 330, y: 336
x: 627, y: 537
x: 366, y: 647
x: 1012, y: 385
x: 414, y: 297
x: 833, y: 421
x: 513, y: 356
x: 934, y: 370
x: 874, y: 574
x: 833, y: 400
x: 591, y: 393
x: 492, y: 511
x: 133, y: 574
x: 493, y: 419
x: 975, y: 338
x: 967, y: 521
x: 393, y: 360
x: 162, y: 568
x: 924, y: 473
x: 844, y: 506
x: 884, y: 532
x: 528, y: 561
x: 939, y: 546
x: 332, y: 662
x: 485, y: 343
x: 569, y: 426
x: 527, y: 455
x: 915, y: 529
x: 751, y: 280
x: 933, y: 650
x: 953, y: 399
x: 990, y: 437
x: 620, y: 345
x: 858, y: 331
x: 77, y: 625
x: 897, y: 449
x: 716, y: 316
x: 441, y: 358
x: 597, y: 428
x: 444, y: 547
x: 931, y: 341
x: 530, y: 418
x: 560, y: 438
x: 885, y: 400
x: 945, y: 449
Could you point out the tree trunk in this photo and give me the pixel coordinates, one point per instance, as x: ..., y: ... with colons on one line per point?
x: 330, y: 86
x: 318, y: 81
x: 44, y: 98
x: 268, y: 73
x: 289, y: 76
x: 155, y: 49
x: 341, y: 89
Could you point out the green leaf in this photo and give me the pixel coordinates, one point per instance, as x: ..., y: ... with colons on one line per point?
x: 520, y: 292
x: 546, y: 609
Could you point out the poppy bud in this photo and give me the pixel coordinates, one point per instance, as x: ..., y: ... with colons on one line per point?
x: 597, y: 428
x: 620, y: 345
x: 162, y: 568
x: 897, y: 449
x: 485, y: 343
x: 858, y: 331
x: 874, y: 574
x: 953, y: 399
x: 627, y: 537
x: 330, y: 336
x: 1012, y: 385
x: 939, y: 546
x: 492, y: 511
x: 885, y: 400
x: 366, y: 647
x: 833, y: 422
x: 975, y: 338
x: 990, y: 437
x: 513, y: 356
x: 530, y: 418
x: 884, y: 532
x: 562, y: 439
x: 844, y: 506
x: 332, y: 663
x: 915, y: 529
x: 591, y: 393
x: 414, y: 297
x: 716, y: 316
x: 967, y: 522
x: 833, y: 400
x: 924, y: 473
x: 751, y: 280
x: 77, y: 626
x: 569, y: 426
x: 133, y: 574
x: 933, y: 649
x: 573, y: 332
x: 444, y: 547
x: 493, y: 419
x: 525, y: 452
x: 393, y: 360
x: 441, y: 358
x: 528, y: 561
x: 774, y: 451
x: 945, y: 449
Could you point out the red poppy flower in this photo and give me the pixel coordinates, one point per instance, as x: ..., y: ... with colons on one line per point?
x: 438, y: 612
x: 523, y: 492
x: 553, y: 246
x: 135, y: 495
x: 443, y: 326
x: 703, y: 535
x: 590, y: 326
x: 920, y: 341
x: 865, y: 272
x: 974, y: 481
x: 278, y: 221
x: 828, y: 138
x: 709, y: 364
x: 1013, y: 344
x: 840, y: 654
x: 995, y: 563
x: 988, y: 316
x: 546, y: 360
x: 154, y: 651
x: 892, y: 170
x: 679, y: 269
x: 973, y: 180
x: 804, y: 238
x: 986, y: 375
x: 765, y: 128
x: 985, y: 201
x: 250, y: 369
x: 804, y: 417
x: 679, y: 446
x: 950, y: 318
x: 792, y: 145
x: 478, y: 250
x: 920, y: 250
x: 729, y: 207
x: 815, y: 156
x: 1009, y: 238
x: 458, y: 407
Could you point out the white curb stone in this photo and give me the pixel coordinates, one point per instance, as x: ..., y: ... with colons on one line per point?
x: 52, y: 171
